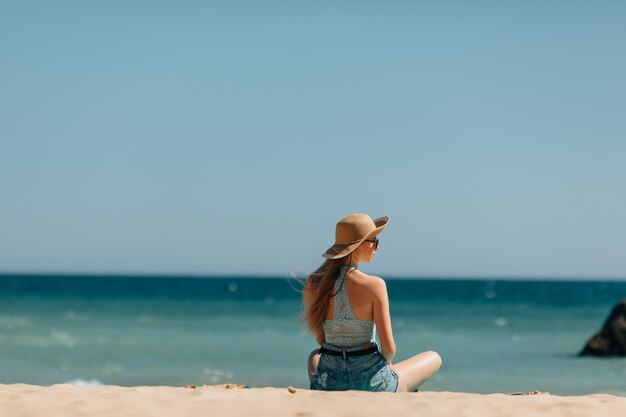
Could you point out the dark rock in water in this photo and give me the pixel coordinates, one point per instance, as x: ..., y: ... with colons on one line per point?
x: 611, y: 339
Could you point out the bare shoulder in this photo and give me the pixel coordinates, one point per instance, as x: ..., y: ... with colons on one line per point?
x: 374, y: 284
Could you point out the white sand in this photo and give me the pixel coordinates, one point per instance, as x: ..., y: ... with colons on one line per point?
x: 21, y: 400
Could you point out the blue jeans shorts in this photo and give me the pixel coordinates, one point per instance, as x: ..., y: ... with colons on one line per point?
x: 364, y: 373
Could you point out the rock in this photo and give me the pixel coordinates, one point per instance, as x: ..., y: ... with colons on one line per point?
x: 611, y: 339
x: 226, y: 386
x: 236, y: 386
x: 534, y: 392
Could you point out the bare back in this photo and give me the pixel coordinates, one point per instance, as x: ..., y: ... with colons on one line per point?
x: 369, y: 300
x: 361, y: 295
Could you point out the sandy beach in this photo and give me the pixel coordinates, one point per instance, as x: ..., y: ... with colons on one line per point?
x: 20, y: 400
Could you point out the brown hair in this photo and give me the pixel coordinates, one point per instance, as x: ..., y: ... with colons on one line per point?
x: 319, y: 286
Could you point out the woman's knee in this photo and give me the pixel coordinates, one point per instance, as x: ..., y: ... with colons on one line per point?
x: 312, y: 360
x: 434, y: 358
x: 312, y: 354
x: 311, y: 363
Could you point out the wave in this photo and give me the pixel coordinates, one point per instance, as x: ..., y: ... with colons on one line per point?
x: 85, y: 383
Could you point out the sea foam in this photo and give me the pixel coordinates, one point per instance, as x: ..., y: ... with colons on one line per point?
x: 85, y: 383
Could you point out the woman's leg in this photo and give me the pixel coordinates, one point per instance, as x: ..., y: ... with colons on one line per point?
x: 311, y: 363
x: 414, y: 371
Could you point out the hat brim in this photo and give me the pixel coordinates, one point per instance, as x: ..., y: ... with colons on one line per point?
x: 339, y: 250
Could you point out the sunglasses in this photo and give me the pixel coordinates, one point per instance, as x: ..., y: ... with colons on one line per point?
x: 374, y: 241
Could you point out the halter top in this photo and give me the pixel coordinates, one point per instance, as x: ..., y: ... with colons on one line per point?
x: 345, y: 330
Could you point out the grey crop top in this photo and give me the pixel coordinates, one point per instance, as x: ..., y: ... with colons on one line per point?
x: 345, y: 330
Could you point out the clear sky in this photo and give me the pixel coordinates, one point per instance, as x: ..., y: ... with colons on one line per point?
x: 190, y: 137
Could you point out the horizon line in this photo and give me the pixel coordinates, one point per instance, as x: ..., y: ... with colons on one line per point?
x: 436, y: 277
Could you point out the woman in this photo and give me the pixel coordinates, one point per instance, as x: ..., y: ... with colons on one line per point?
x: 343, y: 308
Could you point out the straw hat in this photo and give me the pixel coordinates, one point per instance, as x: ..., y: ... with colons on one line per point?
x: 353, y: 230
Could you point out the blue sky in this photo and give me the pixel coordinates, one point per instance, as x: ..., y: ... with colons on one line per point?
x: 229, y: 137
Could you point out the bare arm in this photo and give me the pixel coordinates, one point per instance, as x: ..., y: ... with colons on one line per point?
x: 382, y: 319
x: 320, y: 337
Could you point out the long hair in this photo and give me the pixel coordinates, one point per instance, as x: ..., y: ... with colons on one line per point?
x: 319, y: 287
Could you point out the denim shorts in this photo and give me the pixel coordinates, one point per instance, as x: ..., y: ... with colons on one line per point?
x: 364, y: 373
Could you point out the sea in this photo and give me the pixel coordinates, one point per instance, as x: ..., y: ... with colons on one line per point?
x: 493, y: 335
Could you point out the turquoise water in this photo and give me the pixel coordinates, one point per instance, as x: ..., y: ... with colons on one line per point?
x: 494, y: 336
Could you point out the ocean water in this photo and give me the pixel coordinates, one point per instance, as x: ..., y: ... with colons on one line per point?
x: 493, y: 336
